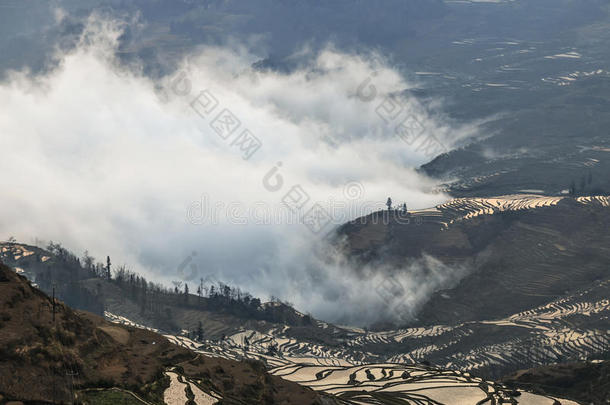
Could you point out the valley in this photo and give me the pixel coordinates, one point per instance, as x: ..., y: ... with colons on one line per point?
x: 104, y: 362
x: 558, y: 319
x: 227, y: 162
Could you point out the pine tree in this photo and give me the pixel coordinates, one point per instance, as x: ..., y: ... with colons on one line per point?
x: 108, y: 275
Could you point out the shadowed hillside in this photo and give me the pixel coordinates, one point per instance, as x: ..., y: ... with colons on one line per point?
x: 521, y: 251
x: 54, y: 354
x: 95, y: 287
x: 588, y: 382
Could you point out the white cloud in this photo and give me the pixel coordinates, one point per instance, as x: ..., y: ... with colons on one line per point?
x: 105, y: 159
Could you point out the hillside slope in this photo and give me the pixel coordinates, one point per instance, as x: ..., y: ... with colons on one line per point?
x: 535, y: 295
x: 80, y: 357
x: 520, y: 251
x: 52, y: 353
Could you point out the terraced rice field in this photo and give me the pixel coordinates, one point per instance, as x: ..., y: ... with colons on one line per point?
x: 460, y: 209
x: 544, y: 335
x: 400, y: 384
x: 176, y: 393
x: 547, y: 334
x: 384, y: 383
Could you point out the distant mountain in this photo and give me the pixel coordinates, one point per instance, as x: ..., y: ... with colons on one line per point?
x: 550, y: 140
